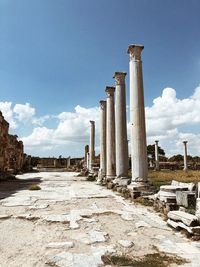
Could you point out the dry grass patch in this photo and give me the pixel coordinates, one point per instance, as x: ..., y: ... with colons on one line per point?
x: 149, y: 260
x: 34, y: 187
x: 158, y: 178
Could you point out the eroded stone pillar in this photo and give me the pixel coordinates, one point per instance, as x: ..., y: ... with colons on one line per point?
x: 103, y: 138
x: 157, y: 167
x: 137, y: 116
x: 110, y: 134
x: 185, y: 156
x: 88, y: 161
x: 92, y: 144
x: 86, y: 151
x: 121, y: 126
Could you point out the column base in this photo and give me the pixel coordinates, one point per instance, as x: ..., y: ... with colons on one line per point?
x: 122, y: 181
x: 136, y: 188
x: 101, y: 177
x: 109, y: 178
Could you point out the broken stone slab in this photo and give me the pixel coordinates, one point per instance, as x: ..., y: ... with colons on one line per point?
x: 186, y: 198
x: 190, y: 186
x: 27, y: 216
x: 166, y: 196
x: 91, y: 237
x: 64, y: 245
x: 39, y: 206
x: 126, y: 243
x: 173, y: 188
x: 186, y: 218
x: 91, y: 259
x: 179, y: 225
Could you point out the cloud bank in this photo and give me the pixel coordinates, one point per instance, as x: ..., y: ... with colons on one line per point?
x: 169, y: 119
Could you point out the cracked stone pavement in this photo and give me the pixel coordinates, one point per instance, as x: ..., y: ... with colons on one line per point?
x: 71, y: 222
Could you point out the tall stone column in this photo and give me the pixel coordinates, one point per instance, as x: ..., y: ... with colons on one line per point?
x: 157, y: 167
x: 92, y: 144
x: 137, y: 116
x: 110, y: 134
x: 121, y: 126
x: 185, y: 156
x: 103, y: 138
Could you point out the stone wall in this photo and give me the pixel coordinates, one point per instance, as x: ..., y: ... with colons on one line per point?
x: 11, y: 150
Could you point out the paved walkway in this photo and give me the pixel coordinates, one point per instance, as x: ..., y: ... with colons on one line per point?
x: 72, y: 222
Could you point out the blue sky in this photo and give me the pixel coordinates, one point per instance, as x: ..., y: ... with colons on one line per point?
x: 60, y: 54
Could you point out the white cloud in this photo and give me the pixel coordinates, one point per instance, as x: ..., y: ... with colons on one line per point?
x: 24, y: 112
x: 167, y: 118
x: 7, y: 111
x: 41, y: 120
x: 73, y: 127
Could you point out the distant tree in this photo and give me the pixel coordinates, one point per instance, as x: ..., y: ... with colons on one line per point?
x: 176, y: 158
x: 196, y: 159
x: 151, y: 152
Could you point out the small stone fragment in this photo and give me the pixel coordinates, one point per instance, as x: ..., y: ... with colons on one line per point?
x: 126, y: 243
x: 64, y: 245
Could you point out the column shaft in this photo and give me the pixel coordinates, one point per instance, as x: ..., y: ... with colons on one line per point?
x: 137, y: 116
x: 92, y: 144
x: 121, y: 126
x: 156, y: 156
x: 103, y: 138
x: 110, y: 134
x: 185, y: 156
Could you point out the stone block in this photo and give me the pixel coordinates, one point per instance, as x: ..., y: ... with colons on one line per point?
x: 186, y: 218
x: 110, y: 185
x: 135, y: 194
x: 186, y: 199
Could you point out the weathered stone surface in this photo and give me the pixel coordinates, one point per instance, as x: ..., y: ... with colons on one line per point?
x: 91, y: 208
x: 126, y: 243
x: 91, y: 237
x: 186, y: 199
x: 186, y: 218
x: 93, y: 259
x: 141, y: 224
x: 12, y: 157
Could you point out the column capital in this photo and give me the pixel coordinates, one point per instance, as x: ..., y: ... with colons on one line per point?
x: 102, y: 104
x: 156, y: 141
x: 110, y: 90
x: 185, y: 142
x: 134, y: 51
x: 119, y: 77
x: 92, y: 122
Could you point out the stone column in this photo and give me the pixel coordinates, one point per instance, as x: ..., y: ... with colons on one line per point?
x: 110, y: 134
x: 185, y: 156
x: 86, y: 151
x: 103, y: 138
x: 156, y: 156
x: 137, y: 116
x: 121, y: 126
x: 88, y: 160
x: 92, y: 144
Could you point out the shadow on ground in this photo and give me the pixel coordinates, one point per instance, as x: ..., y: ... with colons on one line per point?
x: 13, y: 185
